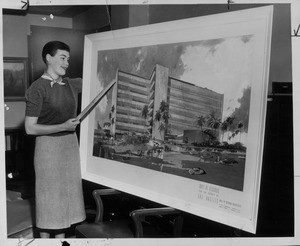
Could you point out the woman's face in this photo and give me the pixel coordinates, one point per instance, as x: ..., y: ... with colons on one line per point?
x: 58, y: 64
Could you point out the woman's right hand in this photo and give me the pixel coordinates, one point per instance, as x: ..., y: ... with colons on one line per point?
x: 70, y: 125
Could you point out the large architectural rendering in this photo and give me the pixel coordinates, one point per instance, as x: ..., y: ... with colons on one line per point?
x: 184, y: 123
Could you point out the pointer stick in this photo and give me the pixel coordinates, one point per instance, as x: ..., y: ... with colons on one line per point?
x: 95, y: 101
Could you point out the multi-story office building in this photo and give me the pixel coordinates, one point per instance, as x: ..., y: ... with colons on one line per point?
x: 186, y: 102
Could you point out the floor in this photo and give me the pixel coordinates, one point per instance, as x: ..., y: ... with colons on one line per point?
x: 26, y: 187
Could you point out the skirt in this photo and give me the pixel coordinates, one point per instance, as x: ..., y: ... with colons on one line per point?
x: 59, y: 195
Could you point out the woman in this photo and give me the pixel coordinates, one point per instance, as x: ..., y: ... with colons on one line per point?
x: 51, y: 104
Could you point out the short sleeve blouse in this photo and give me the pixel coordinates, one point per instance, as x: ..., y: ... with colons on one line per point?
x: 53, y: 104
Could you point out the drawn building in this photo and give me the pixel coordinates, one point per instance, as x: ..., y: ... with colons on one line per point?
x: 186, y: 102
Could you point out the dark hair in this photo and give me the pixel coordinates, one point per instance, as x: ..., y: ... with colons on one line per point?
x: 52, y: 47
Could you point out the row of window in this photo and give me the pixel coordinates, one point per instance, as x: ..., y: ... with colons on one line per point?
x: 131, y: 97
x: 131, y: 120
x: 134, y: 80
x: 129, y: 103
x: 199, y: 100
x: 129, y: 111
x: 192, y: 107
x: 132, y: 88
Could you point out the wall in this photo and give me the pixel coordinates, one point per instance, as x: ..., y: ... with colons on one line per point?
x: 138, y: 15
x: 120, y: 16
x: 124, y: 16
x: 17, y: 28
x: 41, y: 35
x: 15, y: 44
x: 93, y: 19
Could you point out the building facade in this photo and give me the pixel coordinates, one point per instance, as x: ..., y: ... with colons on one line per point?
x: 185, y: 101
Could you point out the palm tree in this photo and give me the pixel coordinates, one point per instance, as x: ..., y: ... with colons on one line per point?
x: 150, y: 124
x: 201, y: 123
x: 237, y: 132
x: 163, y: 106
x: 213, y: 122
x: 111, y: 118
x: 112, y: 121
x: 162, y: 114
x: 211, y: 117
x: 215, y: 125
x: 112, y: 108
x: 145, y: 113
x: 240, y: 126
x: 157, y: 116
x: 166, y: 116
x: 161, y: 128
x: 229, y: 121
x: 224, y: 127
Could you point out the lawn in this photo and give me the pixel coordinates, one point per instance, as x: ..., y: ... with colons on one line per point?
x: 229, y: 176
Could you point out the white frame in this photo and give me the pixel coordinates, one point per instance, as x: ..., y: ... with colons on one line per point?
x: 294, y: 240
x: 140, y: 181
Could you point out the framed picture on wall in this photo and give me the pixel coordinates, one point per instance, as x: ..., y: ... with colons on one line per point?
x: 183, y: 124
x: 15, y: 71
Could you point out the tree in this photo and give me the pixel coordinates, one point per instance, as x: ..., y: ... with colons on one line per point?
x: 232, y: 136
x: 241, y: 113
x: 157, y: 115
x: 112, y: 108
x: 162, y: 116
x: 240, y: 126
x: 201, y: 122
x: 111, y: 118
x: 150, y: 124
x: 224, y: 126
x: 210, y: 134
x: 229, y: 121
x: 162, y: 128
x: 213, y: 122
x: 238, y: 131
x: 166, y: 116
x: 145, y: 114
x: 145, y: 111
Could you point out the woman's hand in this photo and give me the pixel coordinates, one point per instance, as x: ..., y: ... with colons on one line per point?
x: 70, y: 125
